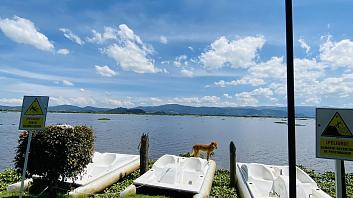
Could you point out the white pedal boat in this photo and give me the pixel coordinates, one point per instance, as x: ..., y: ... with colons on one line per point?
x: 192, y: 175
x: 105, y: 170
x: 262, y: 181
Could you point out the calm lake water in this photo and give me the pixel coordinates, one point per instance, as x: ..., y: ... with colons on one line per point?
x: 257, y: 139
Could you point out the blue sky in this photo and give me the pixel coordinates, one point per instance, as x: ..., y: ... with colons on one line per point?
x: 199, y: 53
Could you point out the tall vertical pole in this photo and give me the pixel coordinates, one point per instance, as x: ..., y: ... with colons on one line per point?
x: 340, y: 179
x: 25, y: 164
x: 233, y: 164
x: 290, y: 100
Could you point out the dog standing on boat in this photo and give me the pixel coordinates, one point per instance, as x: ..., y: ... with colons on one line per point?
x: 208, y: 148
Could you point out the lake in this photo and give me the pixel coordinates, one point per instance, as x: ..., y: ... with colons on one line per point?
x: 257, y: 139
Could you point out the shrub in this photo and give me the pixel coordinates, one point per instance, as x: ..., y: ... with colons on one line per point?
x: 60, y: 151
x: 7, y: 177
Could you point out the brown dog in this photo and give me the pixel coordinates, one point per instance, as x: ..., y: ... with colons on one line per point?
x: 203, y: 147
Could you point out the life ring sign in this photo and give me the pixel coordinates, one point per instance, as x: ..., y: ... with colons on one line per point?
x: 334, y: 137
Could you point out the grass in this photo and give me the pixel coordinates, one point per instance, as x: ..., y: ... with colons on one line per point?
x: 220, y: 186
x: 326, y: 181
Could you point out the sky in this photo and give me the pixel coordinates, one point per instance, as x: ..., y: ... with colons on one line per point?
x: 199, y: 53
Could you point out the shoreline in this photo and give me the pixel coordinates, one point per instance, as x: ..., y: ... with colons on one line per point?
x: 166, y: 114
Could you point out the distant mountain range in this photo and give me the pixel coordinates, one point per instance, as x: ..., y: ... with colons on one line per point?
x: 176, y: 109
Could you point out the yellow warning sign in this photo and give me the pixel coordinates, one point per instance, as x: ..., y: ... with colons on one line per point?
x: 333, y: 148
x: 337, y: 128
x: 34, y: 112
x: 33, y: 122
x: 34, y: 108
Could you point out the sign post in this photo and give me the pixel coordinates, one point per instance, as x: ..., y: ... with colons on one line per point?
x: 33, y: 115
x: 340, y: 179
x: 334, y: 140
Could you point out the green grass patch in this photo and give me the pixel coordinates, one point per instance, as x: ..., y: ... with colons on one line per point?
x: 326, y: 181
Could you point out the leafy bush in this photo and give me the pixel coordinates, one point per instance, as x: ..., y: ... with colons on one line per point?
x: 60, y: 151
x: 7, y: 177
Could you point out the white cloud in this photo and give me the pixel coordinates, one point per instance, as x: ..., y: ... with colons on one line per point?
x: 163, y: 39
x: 227, y: 96
x: 186, y: 73
x: 191, y: 48
x: 108, y: 34
x: 339, y: 87
x: 71, y: 36
x: 120, y: 102
x: 243, y: 81
x: 273, y: 68
x: 181, y: 61
x: 22, y: 30
x: 197, y: 101
x: 63, y: 51
x: 131, y: 53
x: 304, y: 45
x: 239, y: 53
x: 10, y: 101
x: 105, y: 71
x: 80, y: 101
x: 67, y: 83
x: 252, y: 98
x: 337, y: 54
x: 82, y: 90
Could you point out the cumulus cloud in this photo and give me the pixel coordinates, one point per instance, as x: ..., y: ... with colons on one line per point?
x: 304, y: 45
x: 131, y: 53
x: 10, y: 101
x: 181, y: 61
x: 197, y: 101
x: 252, y: 98
x: 187, y: 73
x: 163, y: 39
x: 239, y: 53
x: 63, y: 51
x: 227, y: 96
x: 71, y: 36
x: 80, y: 101
x: 337, y: 54
x: 120, y: 102
x: 243, y: 81
x: 105, y: 71
x: 67, y: 83
x: 22, y: 30
x: 99, y: 38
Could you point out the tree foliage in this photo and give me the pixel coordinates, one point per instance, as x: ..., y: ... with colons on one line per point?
x: 60, y: 151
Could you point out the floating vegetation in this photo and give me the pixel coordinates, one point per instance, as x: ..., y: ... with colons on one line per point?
x: 280, y: 122
x: 103, y: 118
x: 283, y: 122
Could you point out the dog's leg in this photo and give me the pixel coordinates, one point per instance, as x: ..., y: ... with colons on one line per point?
x: 192, y: 152
x: 196, y: 153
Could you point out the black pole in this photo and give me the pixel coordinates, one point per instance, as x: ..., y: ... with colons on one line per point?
x: 290, y: 100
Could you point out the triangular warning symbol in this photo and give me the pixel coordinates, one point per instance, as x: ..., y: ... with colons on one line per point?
x: 337, y: 127
x: 34, y: 108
